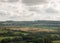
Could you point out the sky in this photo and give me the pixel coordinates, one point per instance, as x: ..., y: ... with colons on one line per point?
x: 29, y: 10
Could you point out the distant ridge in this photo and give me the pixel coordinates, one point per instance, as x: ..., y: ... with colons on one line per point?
x: 30, y: 23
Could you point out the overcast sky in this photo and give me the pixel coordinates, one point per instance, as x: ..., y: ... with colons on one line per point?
x: 29, y: 10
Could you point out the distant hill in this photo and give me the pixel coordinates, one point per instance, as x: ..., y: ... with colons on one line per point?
x: 34, y: 26
x: 30, y: 23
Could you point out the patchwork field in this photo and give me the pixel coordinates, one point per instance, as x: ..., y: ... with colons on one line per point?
x: 30, y: 32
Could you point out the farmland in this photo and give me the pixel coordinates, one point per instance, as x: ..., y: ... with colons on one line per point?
x: 29, y: 32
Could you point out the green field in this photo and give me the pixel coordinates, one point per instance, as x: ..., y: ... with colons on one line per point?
x: 56, y: 41
x: 18, y: 36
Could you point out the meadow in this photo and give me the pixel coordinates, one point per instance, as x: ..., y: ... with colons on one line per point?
x: 29, y: 31
x: 29, y: 35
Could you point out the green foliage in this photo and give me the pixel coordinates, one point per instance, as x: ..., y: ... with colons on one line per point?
x: 16, y: 36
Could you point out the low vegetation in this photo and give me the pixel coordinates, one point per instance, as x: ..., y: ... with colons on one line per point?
x: 30, y: 32
x: 19, y: 36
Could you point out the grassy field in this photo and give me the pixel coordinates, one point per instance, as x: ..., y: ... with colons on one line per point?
x: 33, y: 34
x: 56, y: 41
x: 1, y: 38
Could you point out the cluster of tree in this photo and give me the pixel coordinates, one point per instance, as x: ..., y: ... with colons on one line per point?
x: 27, y: 39
x: 41, y: 37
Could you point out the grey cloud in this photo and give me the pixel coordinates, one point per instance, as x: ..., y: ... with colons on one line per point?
x: 3, y: 14
x: 9, y: 0
x: 34, y: 2
x: 13, y: 0
x: 51, y: 11
x: 44, y: 11
x: 14, y: 17
x: 34, y: 9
